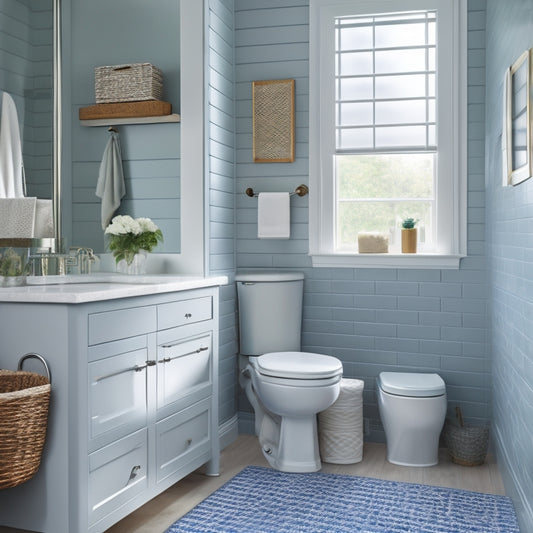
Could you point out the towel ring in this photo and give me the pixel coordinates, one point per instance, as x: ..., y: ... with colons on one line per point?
x: 301, y: 190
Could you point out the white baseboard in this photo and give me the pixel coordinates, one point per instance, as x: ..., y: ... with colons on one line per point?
x: 228, y: 431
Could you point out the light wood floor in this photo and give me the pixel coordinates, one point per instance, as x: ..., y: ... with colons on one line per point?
x: 157, y: 515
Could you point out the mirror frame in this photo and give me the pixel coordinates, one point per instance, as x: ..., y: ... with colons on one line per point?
x: 519, y: 174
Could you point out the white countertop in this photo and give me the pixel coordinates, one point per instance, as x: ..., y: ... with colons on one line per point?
x: 102, y: 286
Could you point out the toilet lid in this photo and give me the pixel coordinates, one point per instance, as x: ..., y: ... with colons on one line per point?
x: 298, y: 365
x: 412, y: 384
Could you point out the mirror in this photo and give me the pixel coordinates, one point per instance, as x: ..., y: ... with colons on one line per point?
x: 517, y: 120
x: 27, y: 75
x: 128, y: 31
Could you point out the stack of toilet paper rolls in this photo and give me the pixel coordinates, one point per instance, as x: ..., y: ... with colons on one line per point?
x: 340, y: 427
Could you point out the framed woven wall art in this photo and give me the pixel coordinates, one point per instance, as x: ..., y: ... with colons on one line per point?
x: 273, y: 121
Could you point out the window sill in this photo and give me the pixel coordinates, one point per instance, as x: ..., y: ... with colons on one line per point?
x: 419, y: 260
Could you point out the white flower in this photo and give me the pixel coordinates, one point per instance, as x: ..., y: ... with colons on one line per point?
x: 123, y: 224
x: 146, y: 224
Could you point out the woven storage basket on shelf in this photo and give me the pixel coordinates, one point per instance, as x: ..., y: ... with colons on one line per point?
x: 24, y: 400
x: 340, y: 426
x: 127, y: 83
x: 467, y: 445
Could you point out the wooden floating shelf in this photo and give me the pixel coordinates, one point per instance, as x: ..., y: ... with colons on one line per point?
x: 133, y: 120
x: 147, y: 112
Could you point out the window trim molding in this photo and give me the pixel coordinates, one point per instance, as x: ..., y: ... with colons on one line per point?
x: 322, y: 199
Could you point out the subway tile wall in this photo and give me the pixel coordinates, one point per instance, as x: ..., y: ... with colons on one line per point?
x: 372, y: 319
x: 510, y: 245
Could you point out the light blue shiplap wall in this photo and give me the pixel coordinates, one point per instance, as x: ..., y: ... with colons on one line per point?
x: 221, y: 186
x: 372, y: 319
x: 112, y: 33
x: 510, y: 251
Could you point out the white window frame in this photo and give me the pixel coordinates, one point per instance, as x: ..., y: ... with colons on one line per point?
x: 452, y: 134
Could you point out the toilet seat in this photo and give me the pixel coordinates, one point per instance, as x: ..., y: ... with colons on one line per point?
x: 412, y: 384
x: 298, y: 366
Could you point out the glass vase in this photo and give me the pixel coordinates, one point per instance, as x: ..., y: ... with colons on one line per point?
x: 136, y: 267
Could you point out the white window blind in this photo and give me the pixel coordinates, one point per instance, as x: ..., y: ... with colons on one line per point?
x: 385, y: 69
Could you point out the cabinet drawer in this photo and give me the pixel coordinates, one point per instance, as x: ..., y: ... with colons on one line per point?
x: 113, y: 325
x: 184, y: 370
x: 117, y: 473
x: 181, y: 438
x: 117, y: 395
x: 184, y: 312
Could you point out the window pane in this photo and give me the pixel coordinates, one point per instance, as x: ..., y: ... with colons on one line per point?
x: 398, y: 136
x: 356, y: 38
x: 355, y: 138
x: 360, y: 114
x: 356, y: 89
x: 355, y: 63
x: 401, y: 112
x: 400, y: 86
x: 389, y: 61
x: 385, y: 217
x: 385, y: 176
x: 400, y: 35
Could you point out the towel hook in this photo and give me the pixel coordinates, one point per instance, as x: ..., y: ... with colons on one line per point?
x: 112, y: 129
x: 301, y: 190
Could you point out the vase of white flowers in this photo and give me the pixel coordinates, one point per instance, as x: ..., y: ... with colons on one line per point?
x: 130, y: 240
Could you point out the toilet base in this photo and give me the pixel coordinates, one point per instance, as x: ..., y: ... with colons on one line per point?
x: 290, y: 444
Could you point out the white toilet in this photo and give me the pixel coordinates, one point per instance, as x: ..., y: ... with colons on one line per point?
x: 412, y: 408
x: 286, y: 387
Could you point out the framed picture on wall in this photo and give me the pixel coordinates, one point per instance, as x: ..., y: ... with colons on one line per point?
x: 517, y: 127
x: 273, y: 121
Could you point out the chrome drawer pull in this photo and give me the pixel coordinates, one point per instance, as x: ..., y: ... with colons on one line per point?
x: 134, y: 472
x: 168, y: 359
x: 135, y: 368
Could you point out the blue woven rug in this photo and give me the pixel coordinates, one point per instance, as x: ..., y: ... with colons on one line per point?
x: 264, y: 500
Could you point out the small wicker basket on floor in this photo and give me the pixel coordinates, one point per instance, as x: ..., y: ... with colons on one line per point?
x: 24, y: 401
x: 467, y: 445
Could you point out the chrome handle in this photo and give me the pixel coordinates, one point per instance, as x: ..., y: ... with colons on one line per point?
x: 136, y: 368
x: 168, y: 359
x: 134, y: 471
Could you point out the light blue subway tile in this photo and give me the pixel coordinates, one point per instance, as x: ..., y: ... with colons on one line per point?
x: 397, y: 288
x: 461, y: 305
x: 474, y: 291
x: 396, y: 316
x: 441, y: 347
x: 375, y: 330
x: 370, y: 274
x: 329, y: 300
x: 418, y: 332
x: 440, y: 289
x: 329, y: 326
x: 433, y: 318
x: 463, y: 334
x: 318, y: 313
x: 419, y: 303
x: 397, y: 345
x: 355, y: 315
x: 418, y: 275
x: 465, y: 364
x: 375, y: 301
x: 475, y: 349
x: 419, y: 361
x: 353, y: 287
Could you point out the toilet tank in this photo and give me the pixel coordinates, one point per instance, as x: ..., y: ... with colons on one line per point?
x: 270, y: 311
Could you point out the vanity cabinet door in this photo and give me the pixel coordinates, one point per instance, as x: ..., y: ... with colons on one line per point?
x: 183, y: 441
x: 184, y: 373
x: 117, y: 396
x: 117, y: 473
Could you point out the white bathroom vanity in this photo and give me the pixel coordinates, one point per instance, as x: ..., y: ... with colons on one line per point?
x: 134, y: 402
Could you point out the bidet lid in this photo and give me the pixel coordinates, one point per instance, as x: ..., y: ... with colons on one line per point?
x: 412, y: 384
x: 298, y: 365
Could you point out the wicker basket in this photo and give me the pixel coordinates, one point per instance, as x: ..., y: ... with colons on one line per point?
x: 128, y: 83
x: 467, y: 445
x: 24, y: 400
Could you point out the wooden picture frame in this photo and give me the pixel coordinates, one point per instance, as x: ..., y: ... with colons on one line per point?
x: 518, y: 120
x: 273, y: 121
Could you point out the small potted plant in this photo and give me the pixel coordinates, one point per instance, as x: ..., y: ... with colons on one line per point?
x: 409, y: 235
x: 12, y: 268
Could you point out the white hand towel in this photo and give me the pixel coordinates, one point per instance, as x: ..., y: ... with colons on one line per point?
x: 17, y: 216
x: 44, y: 219
x: 11, y: 172
x: 110, y: 187
x: 273, y: 215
